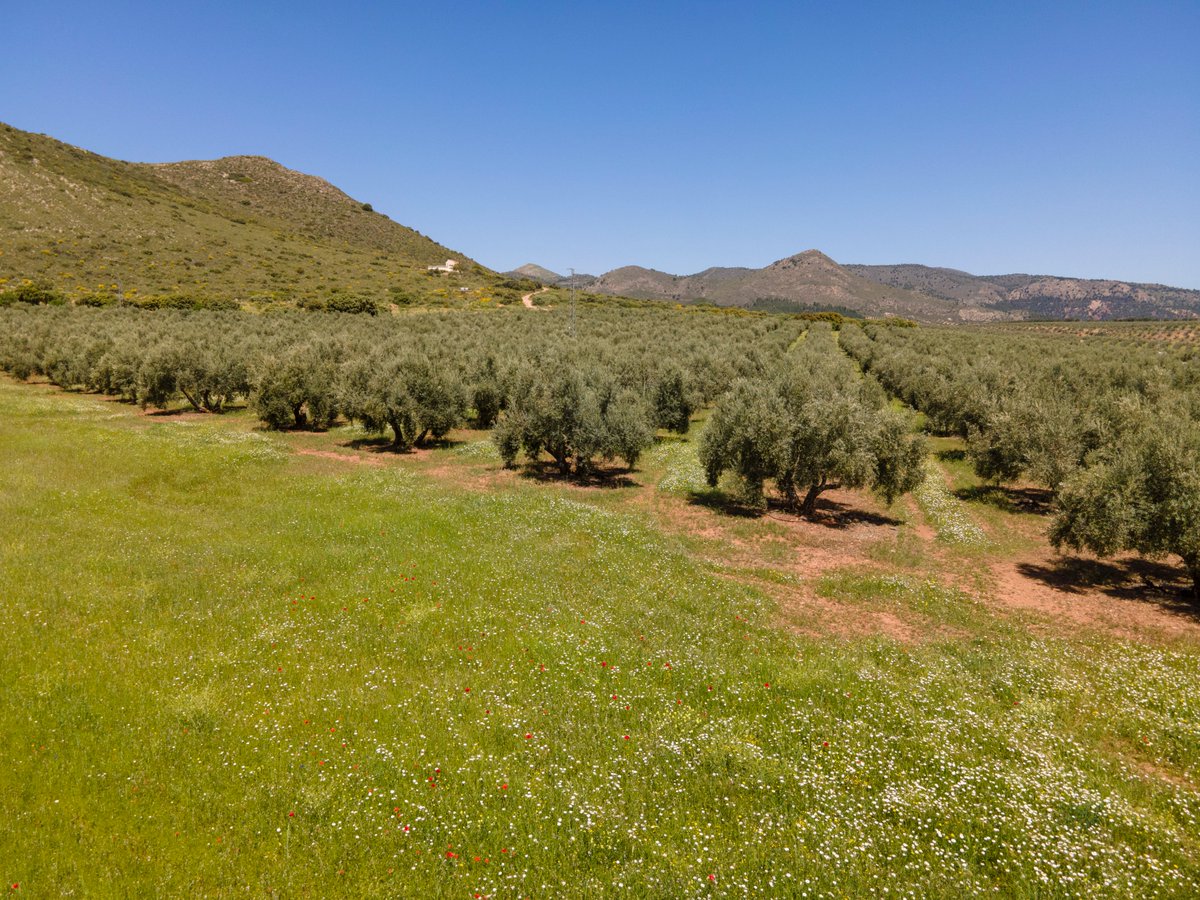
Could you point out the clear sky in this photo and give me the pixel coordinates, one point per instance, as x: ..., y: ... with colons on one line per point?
x: 1058, y: 138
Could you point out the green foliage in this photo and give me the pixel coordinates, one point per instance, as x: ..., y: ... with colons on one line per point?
x: 297, y: 390
x: 33, y: 294
x: 350, y: 303
x: 182, y: 302
x: 574, y: 414
x: 414, y: 397
x: 810, y: 312
x: 814, y: 428
x: 1139, y: 494
x: 487, y: 393
x: 519, y: 285
x: 403, y: 297
x: 673, y: 404
x: 96, y: 300
x: 743, y: 436
x: 629, y: 427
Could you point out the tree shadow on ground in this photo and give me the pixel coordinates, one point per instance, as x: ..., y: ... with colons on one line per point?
x: 378, y: 444
x: 833, y: 514
x: 1134, y: 579
x: 181, y: 411
x: 725, y: 504
x: 952, y: 455
x: 1034, y: 501
x: 546, y: 472
x: 830, y: 513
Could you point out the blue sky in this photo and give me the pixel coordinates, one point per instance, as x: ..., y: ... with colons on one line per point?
x: 994, y: 137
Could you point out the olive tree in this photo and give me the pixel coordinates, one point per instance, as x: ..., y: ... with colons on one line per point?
x: 743, y: 436
x: 487, y: 393
x: 210, y: 376
x: 412, y: 396
x: 628, y: 427
x: 809, y: 439
x: 575, y: 416
x: 673, y: 404
x: 297, y: 390
x: 1142, y: 494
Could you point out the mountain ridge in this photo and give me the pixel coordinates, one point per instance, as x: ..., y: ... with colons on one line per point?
x: 1054, y: 296
x: 808, y: 279
x: 927, y: 293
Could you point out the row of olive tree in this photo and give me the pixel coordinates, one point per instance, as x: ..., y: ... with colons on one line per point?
x: 1110, y: 427
x: 816, y: 427
x: 412, y: 380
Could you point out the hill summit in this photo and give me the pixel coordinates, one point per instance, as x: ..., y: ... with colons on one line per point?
x: 238, y: 227
x: 806, y: 280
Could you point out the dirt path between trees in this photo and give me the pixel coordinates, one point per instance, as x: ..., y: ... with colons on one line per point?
x: 527, y: 300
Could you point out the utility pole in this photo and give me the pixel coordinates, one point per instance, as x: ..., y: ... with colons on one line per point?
x: 572, y: 303
x: 116, y: 277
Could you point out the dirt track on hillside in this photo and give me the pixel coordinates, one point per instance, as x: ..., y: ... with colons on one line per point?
x: 527, y: 300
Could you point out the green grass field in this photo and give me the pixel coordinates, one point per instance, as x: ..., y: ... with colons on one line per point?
x: 230, y: 668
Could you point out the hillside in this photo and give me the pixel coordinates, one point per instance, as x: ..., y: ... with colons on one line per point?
x: 1040, y: 296
x: 238, y: 227
x: 810, y: 279
x: 536, y: 272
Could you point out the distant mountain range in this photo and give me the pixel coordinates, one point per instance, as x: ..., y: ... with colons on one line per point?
x: 247, y: 228
x: 1040, y: 296
x: 813, y: 280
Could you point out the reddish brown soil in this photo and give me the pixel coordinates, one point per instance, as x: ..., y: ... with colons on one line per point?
x: 1126, y: 596
x: 354, y: 458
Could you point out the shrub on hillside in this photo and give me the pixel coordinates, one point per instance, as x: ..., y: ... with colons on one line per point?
x: 33, y: 294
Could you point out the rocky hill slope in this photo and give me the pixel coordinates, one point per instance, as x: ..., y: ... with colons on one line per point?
x: 1039, y: 296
